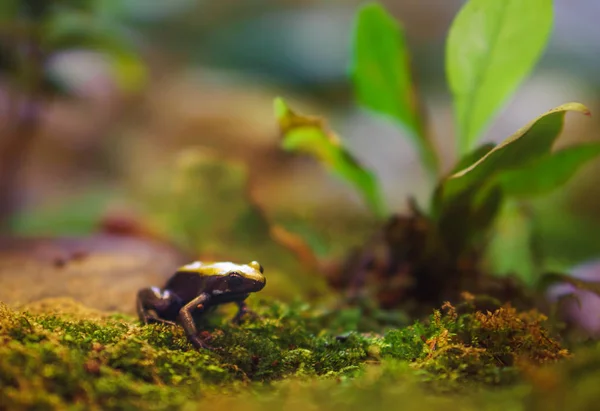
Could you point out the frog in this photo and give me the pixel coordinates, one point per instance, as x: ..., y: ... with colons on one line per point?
x: 195, y: 290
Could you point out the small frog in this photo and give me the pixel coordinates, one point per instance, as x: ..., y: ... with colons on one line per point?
x: 196, y: 289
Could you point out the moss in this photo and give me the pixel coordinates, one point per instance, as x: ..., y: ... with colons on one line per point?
x: 60, y: 359
x: 389, y: 385
x: 486, y: 347
x: 90, y: 361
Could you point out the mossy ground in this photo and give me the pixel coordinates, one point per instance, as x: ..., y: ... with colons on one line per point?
x: 291, y: 356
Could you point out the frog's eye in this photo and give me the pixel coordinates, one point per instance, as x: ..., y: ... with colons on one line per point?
x: 235, y: 279
x: 256, y: 265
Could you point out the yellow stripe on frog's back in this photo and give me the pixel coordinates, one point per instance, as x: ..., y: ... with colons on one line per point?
x: 221, y: 269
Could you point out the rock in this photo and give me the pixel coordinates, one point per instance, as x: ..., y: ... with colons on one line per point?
x: 102, y: 272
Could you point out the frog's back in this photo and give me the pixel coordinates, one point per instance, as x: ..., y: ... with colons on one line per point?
x: 187, y: 285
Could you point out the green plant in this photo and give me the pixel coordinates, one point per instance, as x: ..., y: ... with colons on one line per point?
x: 491, y: 47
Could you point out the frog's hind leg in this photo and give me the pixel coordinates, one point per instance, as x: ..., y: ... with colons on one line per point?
x: 157, y: 306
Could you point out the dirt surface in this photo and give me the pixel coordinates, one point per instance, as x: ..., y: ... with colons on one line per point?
x: 102, y: 272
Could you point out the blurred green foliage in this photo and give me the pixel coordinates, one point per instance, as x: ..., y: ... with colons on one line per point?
x: 478, y: 189
x: 484, y: 67
x: 201, y: 201
x: 513, y: 248
x: 79, y: 215
x: 33, y: 31
x: 491, y: 47
x: 309, y: 135
x: 548, y: 172
x: 382, y: 78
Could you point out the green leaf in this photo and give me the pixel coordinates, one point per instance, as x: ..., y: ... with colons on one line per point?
x: 491, y: 47
x: 464, y: 162
x: 472, y: 157
x: 473, y: 191
x: 382, y: 77
x: 528, y: 144
x: 308, y: 135
x: 547, y: 173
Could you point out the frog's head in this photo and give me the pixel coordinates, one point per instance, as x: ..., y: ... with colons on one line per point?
x: 225, y: 278
x: 252, y: 278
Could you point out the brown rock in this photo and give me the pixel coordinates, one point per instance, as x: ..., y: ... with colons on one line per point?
x: 102, y: 272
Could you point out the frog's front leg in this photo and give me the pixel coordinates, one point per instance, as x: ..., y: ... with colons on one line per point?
x: 243, y: 310
x: 157, y: 306
x: 186, y: 319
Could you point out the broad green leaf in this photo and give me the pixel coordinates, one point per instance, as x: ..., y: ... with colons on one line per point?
x: 491, y: 47
x: 528, y: 144
x: 464, y: 162
x: 547, y: 173
x: 382, y: 76
x: 461, y: 196
x: 472, y: 157
x: 308, y: 135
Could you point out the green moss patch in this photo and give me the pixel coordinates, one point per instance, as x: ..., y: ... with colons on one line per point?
x: 489, y: 347
x: 55, y: 359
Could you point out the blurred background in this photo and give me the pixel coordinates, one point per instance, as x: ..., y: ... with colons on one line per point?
x: 134, y: 135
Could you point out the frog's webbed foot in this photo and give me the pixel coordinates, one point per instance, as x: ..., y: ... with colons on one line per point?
x: 155, y: 306
x: 199, y: 343
x: 152, y: 318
